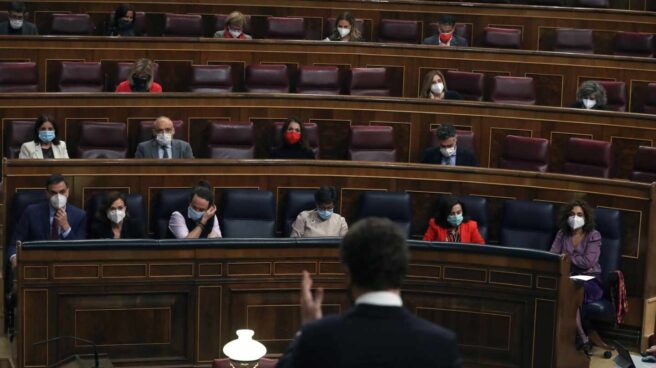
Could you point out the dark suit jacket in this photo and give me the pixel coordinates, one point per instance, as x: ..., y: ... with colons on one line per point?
x: 372, y: 336
x: 131, y: 229
x: 455, y: 41
x: 463, y: 157
x: 28, y: 29
x: 34, y: 225
x: 150, y: 149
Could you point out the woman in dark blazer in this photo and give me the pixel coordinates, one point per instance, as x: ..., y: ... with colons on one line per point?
x: 113, y: 222
x: 293, y: 142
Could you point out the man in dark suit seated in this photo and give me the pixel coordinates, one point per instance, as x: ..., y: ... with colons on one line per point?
x: 377, y: 331
x: 17, y: 25
x: 162, y: 145
x: 52, y: 220
x: 446, y: 152
x: 445, y: 35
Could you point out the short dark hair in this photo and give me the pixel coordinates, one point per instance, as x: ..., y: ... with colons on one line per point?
x: 325, y: 194
x: 443, y: 210
x: 40, y: 120
x: 590, y: 223
x: 447, y: 19
x: 445, y: 131
x: 376, y: 254
x: 203, y: 190
x: 56, y: 179
x: 17, y: 7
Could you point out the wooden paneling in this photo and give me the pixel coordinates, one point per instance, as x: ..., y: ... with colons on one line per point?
x: 557, y: 75
x: 185, y: 321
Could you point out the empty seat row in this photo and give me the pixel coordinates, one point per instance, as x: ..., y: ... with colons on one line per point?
x: 251, y: 213
x: 582, y: 41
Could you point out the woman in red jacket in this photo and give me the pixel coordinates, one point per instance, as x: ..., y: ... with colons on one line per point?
x: 451, y: 224
x: 141, y: 78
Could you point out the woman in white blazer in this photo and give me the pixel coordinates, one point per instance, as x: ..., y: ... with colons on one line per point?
x: 46, y: 143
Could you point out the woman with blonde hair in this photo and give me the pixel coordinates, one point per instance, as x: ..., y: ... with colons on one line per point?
x: 434, y: 87
x: 234, y: 27
x: 345, y: 29
x: 141, y: 78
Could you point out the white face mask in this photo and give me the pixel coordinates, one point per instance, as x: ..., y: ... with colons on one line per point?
x: 116, y: 216
x: 589, y: 103
x: 343, y: 31
x: 16, y: 23
x: 448, y: 152
x: 164, y: 139
x: 437, y: 88
x: 575, y: 222
x: 234, y: 33
x: 58, y: 201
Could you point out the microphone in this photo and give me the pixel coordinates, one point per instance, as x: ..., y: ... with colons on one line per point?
x: 95, y: 351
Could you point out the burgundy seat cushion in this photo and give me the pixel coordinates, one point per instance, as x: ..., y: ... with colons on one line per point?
x: 71, y: 24
x: 650, y: 99
x: 231, y: 140
x: 16, y: 133
x: 103, y: 140
x: 587, y: 157
x: 644, y: 165
x: 311, y: 132
x: 146, y: 130
x: 574, y: 40
x: 322, y: 80
x: 19, y: 77
x: 615, y: 95
x: 369, y: 82
x: 185, y: 25
x: 267, y: 78
x: 507, y: 38
x: 81, y: 77
x: 468, y: 85
x: 210, y: 78
x: 372, y: 143
x: 286, y: 28
x: 634, y: 44
x: 394, y: 30
x: 595, y: 3
x: 525, y: 153
x: 515, y: 90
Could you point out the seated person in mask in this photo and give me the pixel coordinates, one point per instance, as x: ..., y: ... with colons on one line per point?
x: 293, y: 142
x: 17, y: 25
x: 124, y: 22
x: 45, y: 142
x: 446, y: 152
x: 434, y: 87
x: 590, y: 96
x: 113, y: 221
x: 162, y: 145
x: 234, y: 27
x: 345, y: 29
x: 200, y: 220
x: 141, y: 78
x: 445, y: 36
x: 451, y: 223
x: 321, y: 221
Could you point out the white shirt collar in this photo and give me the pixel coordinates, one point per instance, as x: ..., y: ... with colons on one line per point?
x: 380, y: 298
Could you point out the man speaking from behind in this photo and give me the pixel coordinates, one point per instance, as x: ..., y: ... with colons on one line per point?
x: 377, y: 331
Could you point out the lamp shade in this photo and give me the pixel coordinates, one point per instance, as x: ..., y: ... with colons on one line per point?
x: 244, y: 348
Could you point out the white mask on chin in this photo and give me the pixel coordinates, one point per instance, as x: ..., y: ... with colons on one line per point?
x: 343, y: 31
x: 589, y: 103
x: 575, y: 222
x: 116, y: 216
x: 448, y: 151
x: 164, y: 139
x: 58, y: 201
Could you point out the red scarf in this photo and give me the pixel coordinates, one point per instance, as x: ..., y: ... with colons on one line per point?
x: 619, y: 298
x: 227, y: 34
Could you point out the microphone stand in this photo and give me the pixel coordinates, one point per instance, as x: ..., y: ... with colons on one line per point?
x: 95, y: 351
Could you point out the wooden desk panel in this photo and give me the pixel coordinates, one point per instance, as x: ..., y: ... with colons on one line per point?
x: 149, y: 319
x: 557, y: 75
x: 411, y: 119
x: 424, y: 184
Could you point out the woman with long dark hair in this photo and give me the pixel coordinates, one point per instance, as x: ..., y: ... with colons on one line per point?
x: 451, y: 223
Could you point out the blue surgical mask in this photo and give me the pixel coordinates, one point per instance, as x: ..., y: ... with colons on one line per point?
x: 193, y: 214
x: 46, y: 135
x: 325, y: 214
x: 454, y: 220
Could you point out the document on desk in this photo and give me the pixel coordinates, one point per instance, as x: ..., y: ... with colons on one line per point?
x: 581, y: 278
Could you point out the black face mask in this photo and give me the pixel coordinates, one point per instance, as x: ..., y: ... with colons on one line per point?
x: 139, y: 84
x: 124, y: 24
